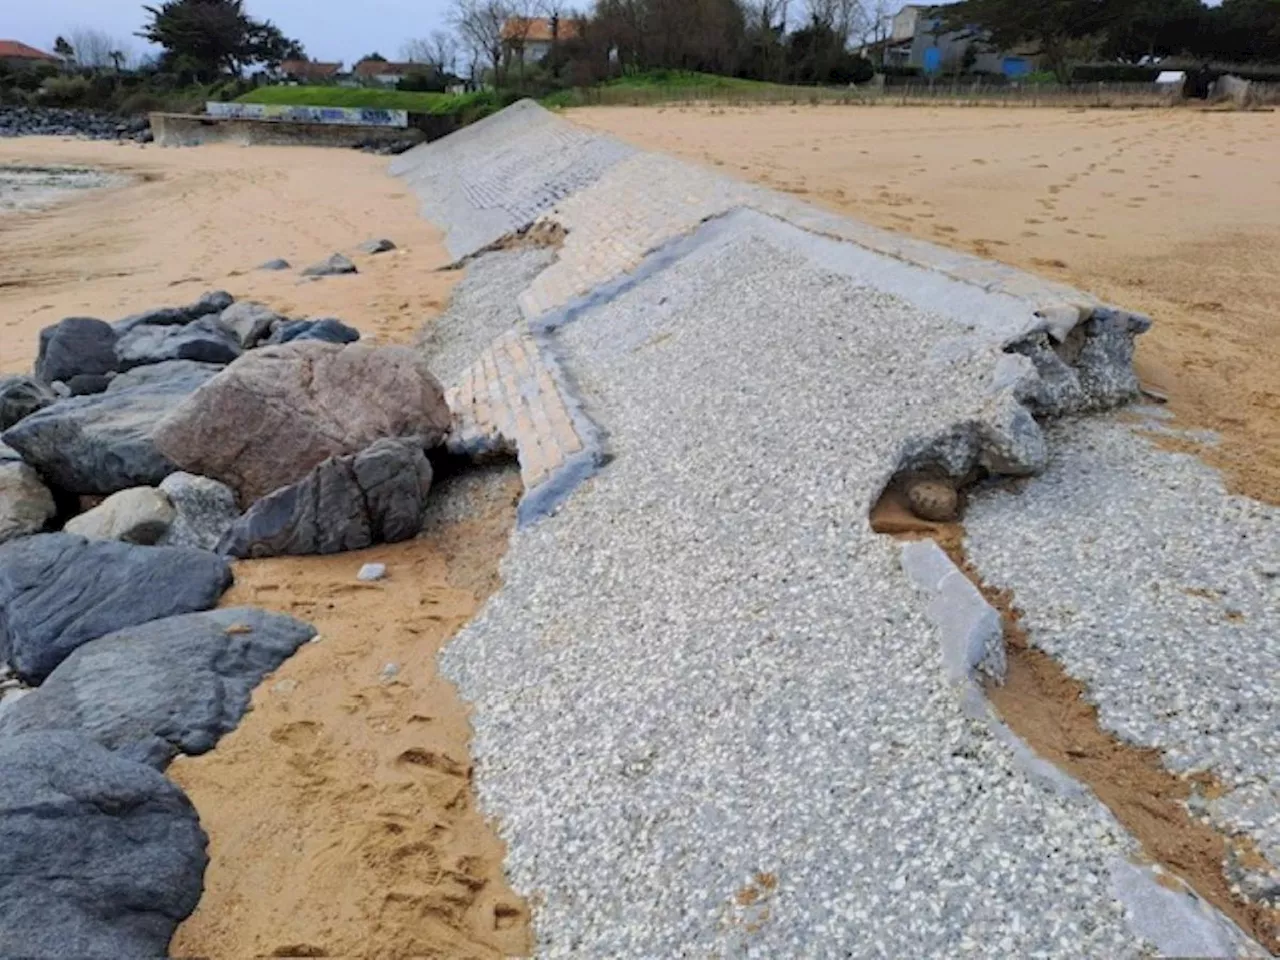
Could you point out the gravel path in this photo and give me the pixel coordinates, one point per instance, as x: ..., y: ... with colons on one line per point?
x: 1161, y: 593
x: 709, y: 712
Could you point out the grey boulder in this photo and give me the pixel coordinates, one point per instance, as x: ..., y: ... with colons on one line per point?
x: 205, y: 508
x: 20, y: 397
x: 86, y: 384
x: 75, y: 346
x: 209, y: 304
x: 376, y: 246
x: 204, y: 341
x: 335, y: 265
x: 249, y: 322
x: 141, y: 515
x: 103, y: 857
x: 59, y: 591
x: 104, y: 443
x: 26, y: 504
x: 162, y: 688
x: 277, y: 412
x: 346, y: 503
x: 277, y: 264
x: 328, y: 330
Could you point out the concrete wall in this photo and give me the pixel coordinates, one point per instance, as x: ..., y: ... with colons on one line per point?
x: 185, y: 130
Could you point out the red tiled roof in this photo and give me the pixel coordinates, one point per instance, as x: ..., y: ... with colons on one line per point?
x: 13, y: 50
x: 310, y: 68
x: 378, y: 68
x: 538, y: 29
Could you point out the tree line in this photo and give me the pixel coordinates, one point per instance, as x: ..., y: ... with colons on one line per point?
x: 810, y: 41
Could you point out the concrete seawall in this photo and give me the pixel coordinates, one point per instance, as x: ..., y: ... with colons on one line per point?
x: 188, y: 130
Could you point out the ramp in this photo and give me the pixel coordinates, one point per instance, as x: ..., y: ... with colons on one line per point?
x: 714, y: 715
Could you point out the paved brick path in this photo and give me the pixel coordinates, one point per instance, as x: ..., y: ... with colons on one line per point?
x: 512, y: 401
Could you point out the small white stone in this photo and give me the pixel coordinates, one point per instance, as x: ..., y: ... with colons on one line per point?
x: 371, y: 572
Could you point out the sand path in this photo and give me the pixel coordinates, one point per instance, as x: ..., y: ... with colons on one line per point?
x: 340, y: 812
x: 1176, y: 213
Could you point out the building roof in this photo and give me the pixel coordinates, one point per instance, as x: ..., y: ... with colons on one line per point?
x: 382, y: 68
x: 312, y: 69
x: 13, y: 50
x: 538, y: 29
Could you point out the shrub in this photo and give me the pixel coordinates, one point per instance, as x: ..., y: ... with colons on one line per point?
x: 65, y: 92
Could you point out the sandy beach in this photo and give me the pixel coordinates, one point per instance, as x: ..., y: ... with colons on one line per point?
x: 198, y: 220
x: 340, y: 812
x: 1174, y: 213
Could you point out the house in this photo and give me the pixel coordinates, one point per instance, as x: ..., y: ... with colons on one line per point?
x: 384, y: 73
x: 310, y: 71
x: 531, y: 38
x: 918, y: 37
x: 19, y: 55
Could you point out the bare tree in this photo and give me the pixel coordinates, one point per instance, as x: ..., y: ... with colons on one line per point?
x: 440, y: 50
x: 480, y: 25
x: 845, y: 18
x: 95, y: 49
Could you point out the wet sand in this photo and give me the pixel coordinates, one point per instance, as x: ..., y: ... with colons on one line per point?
x: 1172, y: 212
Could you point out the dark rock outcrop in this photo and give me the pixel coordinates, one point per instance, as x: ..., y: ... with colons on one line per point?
x: 203, y: 341
x: 75, y: 346
x: 210, y: 304
x: 20, y: 397
x: 381, y: 245
x: 335, y: 265
x: 249, y: 322
x: 59, y: 591
x: 327, y: 330
x: 275, y: 413
x: 162, y: 688
x: 103, y: 857
x: 104, y: 443
x: 347, y: 503
x: 58, y: 122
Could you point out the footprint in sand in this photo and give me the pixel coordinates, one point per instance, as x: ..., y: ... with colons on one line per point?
x: 1028, y: 234
x: 299, y: 735
x: 1033, y: 221
x: 945, y: 229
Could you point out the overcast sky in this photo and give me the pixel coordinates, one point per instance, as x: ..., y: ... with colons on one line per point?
x: 330, y: 29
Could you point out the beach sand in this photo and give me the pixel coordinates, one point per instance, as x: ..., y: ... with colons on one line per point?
x: 340, y: 813
x: 1175, y: 213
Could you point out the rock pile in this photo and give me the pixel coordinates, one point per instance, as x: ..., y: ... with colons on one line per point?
x: 56, y: 122
x: 137, y: 457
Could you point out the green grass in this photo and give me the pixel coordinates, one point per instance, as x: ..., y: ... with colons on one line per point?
x: 438, y: 104
x: 668, y: 86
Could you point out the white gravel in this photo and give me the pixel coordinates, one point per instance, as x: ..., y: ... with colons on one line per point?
x: 705, y: 674
x: 1158, y: 590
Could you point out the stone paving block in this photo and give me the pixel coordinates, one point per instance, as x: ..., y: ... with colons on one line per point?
x: 513, y: 401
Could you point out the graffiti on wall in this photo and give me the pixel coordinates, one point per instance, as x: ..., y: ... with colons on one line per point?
x: 353, y: 116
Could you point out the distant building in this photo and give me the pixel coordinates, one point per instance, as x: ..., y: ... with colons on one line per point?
x: 15, y: 54
x: 531, y: 38
x: 384, y: 73
x: 919, y: 38
x: 310, y: 71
